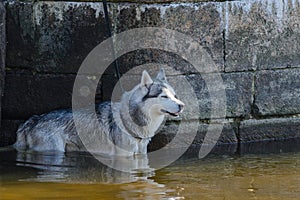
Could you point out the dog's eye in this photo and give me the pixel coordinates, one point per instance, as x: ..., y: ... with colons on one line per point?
x: 164, y: 96
x: 176, y: 96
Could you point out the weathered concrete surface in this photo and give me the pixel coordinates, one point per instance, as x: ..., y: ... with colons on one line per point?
x: 2, y: 52
x: 169, y: 131
x: 27, y: 94
x: 179, y: 17
x: 50, y: 40
x: 60, y: 36
x: 8, y: 131
x: 270, y: 146
x: 269, y: 129
x: 238, y: 88
x: 52, y: 37
x: 277, y: 92
x: 261, y: 34
x: 154, y: 1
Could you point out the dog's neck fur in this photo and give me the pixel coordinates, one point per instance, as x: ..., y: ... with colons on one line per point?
x: 137, y: 123
x: 136, y: 118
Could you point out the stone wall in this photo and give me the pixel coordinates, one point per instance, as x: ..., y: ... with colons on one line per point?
x: 255, y: 45
x: 2, y: 53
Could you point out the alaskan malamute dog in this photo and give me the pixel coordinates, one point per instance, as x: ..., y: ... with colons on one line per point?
x: 129, y: 124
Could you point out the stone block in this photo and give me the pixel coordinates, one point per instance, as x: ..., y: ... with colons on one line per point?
x: 238, y: 88
x: 149, y: 1
x: 200, y: 21
x: 60, y: 36
x: 261, y: 34
x: 8, y: 131
x: 153, y: 69
x: 194, y: 137
x: 26, y: 94
x: 2, y: 51
x: 277, y: 92
x: 179, y: 17
x: 52, y: 36
x: 143, y: 57
x: 270, y: 146
x: 109, y: 84
x: 227, y: 136
x: 269, y: 129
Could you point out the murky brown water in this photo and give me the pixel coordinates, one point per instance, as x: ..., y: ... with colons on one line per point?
x: 78, y: 176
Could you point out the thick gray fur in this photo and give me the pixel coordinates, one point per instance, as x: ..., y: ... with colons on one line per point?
x: 121, y: 128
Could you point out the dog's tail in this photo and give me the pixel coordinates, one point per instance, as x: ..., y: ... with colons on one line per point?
x: 23, y: 131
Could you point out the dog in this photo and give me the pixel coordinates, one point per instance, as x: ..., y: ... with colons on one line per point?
x: 128, y: 124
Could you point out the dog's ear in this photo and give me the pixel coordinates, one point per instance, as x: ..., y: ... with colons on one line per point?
x: 161, y: 76
x: 146, y: 79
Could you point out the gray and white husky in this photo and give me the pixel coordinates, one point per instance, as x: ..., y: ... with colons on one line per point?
x: 129, y: 124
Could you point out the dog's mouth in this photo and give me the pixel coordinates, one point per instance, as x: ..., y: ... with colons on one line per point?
x: 175, y: 114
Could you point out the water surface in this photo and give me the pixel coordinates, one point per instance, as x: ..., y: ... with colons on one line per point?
x: 80, y: 176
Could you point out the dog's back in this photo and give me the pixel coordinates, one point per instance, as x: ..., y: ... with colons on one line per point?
x: 44, y: 132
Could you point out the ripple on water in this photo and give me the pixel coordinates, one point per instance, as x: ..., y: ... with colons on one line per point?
x: 80, y: 176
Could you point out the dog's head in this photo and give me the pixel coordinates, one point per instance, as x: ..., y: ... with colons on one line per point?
x: 158, y: 97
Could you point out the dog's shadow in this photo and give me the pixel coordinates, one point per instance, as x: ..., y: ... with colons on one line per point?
x: 74, y: 167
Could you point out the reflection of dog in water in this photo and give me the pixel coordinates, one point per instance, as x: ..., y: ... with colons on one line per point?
x: 129, y: 124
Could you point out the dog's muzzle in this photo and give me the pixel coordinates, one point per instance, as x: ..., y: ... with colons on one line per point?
x: 175, y: 114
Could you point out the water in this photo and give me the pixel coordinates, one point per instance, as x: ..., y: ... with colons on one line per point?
x: 80, y: 176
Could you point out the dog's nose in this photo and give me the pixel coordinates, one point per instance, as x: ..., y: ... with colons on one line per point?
x: 181, y: 106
